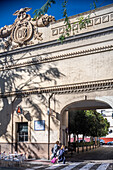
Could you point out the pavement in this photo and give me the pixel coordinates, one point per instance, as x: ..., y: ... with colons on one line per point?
x: 99, y: 155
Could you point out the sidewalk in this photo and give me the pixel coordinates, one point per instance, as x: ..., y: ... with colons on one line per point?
x: 34, y: 162
x: 98, y: 155
x: 30, y: 163
x: 38, y: 161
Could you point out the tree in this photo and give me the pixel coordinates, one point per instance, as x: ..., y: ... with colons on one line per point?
x: 78, y: 123
x: 88, y: 123
x: 82, y: 22
x: 99, y: 125
x: 39, y: 12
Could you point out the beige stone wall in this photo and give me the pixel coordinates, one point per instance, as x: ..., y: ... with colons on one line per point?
x: 85, y: 57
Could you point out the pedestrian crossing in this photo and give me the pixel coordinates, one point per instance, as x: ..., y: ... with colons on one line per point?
x: 76, y: 166
x: 87, y: 166
x: 103, y: 166
x: 71, y: 166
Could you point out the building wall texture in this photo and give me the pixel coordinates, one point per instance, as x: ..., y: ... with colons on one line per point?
x: 44, y: 77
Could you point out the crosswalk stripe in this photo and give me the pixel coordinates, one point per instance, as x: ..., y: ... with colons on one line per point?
x: 103, y: 166
x: 71, y: 166
x: 37, y: 167
x: 55, y: 166
x: 87, y: 166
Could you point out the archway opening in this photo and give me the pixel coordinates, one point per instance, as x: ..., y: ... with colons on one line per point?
x: 82, y: 105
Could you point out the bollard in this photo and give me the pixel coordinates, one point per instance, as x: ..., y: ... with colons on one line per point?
x: 82, y: 147
x: 93, y: 146
x: 77, y: 149
x: 86, y: 148
x: 90, y: 147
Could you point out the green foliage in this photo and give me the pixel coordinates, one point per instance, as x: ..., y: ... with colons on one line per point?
x: 93, y: 5
x: 100, y: 124
x: 62, y: 38
x: 83, y: 22
x: 88, y: 123
x: 66, y: 22
x: 43, y: 9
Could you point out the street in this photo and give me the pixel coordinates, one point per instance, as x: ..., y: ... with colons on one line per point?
x: 98, y: 159
x: 69, y: 166
x: 104, y: 152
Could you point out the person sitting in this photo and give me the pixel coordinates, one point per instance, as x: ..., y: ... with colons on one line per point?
x: 61, y: 157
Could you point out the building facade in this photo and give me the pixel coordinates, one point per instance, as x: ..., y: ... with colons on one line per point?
x: 108, y: 114
x: 41, y: 79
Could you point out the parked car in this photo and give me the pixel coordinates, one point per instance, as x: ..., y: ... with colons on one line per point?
x: 102, y: 142
x: 110, y: 143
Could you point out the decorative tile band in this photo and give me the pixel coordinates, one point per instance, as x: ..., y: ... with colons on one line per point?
x: 65, y: 89
x: 105, y: 18
x: 94, y: 21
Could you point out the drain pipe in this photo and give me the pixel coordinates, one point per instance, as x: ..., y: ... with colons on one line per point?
x: 48, y: 112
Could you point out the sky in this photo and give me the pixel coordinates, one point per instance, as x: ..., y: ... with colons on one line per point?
x: 8, y: 7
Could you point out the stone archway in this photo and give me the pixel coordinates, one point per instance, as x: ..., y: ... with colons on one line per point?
x: 78, y: 105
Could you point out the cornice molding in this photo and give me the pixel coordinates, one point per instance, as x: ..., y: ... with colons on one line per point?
x: 65, y: 89
x: 54, y: 43
x: 59, y: 57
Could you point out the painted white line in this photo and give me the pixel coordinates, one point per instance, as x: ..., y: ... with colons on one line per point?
x: 73, y: 165
x: 55, y: 166
x: 103, y: 166
x: 37, y: 167
x: 87, y: 166
x: 29, y: 169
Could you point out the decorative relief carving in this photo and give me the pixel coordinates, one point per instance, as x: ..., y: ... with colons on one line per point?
x: 111, y: 17
x: 80, y: 87
x: 105, y: 18
x: 75, y: 26
x: 54, y: 32
x: 61, y: 30
x: 97, y: 21
x: 22, y: 32
x: 91, y: 23
x: 94, y: 21
x: 24, y: 29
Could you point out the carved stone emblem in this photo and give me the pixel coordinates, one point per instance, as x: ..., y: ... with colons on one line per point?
x: 24, y: 29
x: 22, y: 32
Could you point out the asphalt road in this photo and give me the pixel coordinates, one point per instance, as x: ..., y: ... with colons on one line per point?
x: 101, y: 153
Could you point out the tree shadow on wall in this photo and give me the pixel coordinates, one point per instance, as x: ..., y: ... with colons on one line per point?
x: 14, y: 80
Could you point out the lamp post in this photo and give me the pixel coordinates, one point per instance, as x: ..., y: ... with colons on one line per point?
x: 48, y: 112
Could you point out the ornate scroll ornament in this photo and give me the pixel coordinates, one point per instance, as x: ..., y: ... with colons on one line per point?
x: 24, y: 29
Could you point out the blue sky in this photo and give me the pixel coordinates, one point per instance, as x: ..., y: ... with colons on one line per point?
x: 8, y: 7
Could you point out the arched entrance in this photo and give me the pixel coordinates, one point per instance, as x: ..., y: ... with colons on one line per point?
x: 74, y: 106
